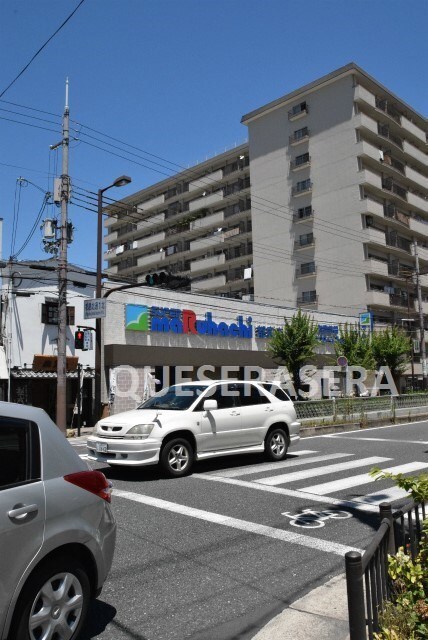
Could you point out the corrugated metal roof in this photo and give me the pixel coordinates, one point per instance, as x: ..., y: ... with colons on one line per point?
x: 29, y: 374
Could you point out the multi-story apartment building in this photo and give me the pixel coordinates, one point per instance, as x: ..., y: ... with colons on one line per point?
x: 339, y: 186
x: 337, y: 206
x: 196, y: 223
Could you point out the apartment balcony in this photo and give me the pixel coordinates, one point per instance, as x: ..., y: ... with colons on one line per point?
x: 425, y: 308
x: 296, y: 165
x: 152, y: 222
x: 423, y: 280
x: 153, y: 260
x: 363, y: 95
x: 384, y: 131
x: 401, y: 302
x: 310, y: 301
x: 423, y: 253
x: 373, y: 236
x: 150, y: 204
x: 367, y: 150
x: 298, y: 191
x: 388, y: 109
x: 363, y: 121
x: 393, y: 213
x: 150, y: 241
x: 299, y: 111
x: 370, y: 178
x: 207, y: 264
x: 304, y: 215
x: 110, y: 237
x: 377, y: 299
x: 415, y: 153
x: 305, y: 245
x: 413, y: 129
x: 417, y: 177
x: 388, y: 184
x: 213, y: 220
x: 376, y: 267
x: 298, y: 138
x: 303, y: 273
x: 112, y: 270
x: 206, y: 201
x: 209, y: 242
x: 417, y: 201
x: 396, y: 242
x: 208, y: 284
x: 206, y: 181
x: 419, y: 226
x: 371, y: 207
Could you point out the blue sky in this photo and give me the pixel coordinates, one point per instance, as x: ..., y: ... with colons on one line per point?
x: 172, y: 78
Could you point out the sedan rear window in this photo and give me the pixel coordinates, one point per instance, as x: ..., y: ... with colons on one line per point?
x: 275, y: 390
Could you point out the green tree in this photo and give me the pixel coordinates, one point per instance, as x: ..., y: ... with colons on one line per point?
x: 392, y: 348
x: 355, y: 345
x: 294, y: 344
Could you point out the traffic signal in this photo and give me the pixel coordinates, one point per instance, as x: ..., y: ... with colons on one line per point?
x: 79, y: 337
x: 157, y: 279
x: 167, y: 280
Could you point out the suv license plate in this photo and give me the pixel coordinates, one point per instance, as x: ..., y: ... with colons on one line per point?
x: 101, y: 447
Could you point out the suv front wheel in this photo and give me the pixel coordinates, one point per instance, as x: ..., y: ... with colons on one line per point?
x: 177, y: 457
x: 276, y: 444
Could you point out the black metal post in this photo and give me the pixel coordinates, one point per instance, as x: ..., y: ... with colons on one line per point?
x: 385, y: 512
x: 355, y: 590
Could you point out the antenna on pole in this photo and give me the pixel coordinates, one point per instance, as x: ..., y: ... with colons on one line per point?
x: 66, y: 95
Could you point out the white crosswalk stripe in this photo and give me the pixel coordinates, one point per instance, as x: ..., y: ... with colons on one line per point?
x: 386, y: 495
x: 358, y: 480
x: 263, y: 468
x: 285, y: 478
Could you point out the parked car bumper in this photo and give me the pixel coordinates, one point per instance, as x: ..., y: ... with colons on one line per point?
x: 124, y: 452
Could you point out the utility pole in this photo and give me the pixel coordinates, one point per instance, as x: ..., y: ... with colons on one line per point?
x: 421, y: 319
x: 61, y: 390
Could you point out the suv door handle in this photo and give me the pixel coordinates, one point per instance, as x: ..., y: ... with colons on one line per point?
x: 269, y: 409
x: 235, y: 413
x: 21, y: 512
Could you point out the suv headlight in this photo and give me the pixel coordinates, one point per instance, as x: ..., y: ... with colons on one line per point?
x: 140, y: 431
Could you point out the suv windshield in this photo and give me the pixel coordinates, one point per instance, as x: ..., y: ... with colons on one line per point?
x: 175, y: 398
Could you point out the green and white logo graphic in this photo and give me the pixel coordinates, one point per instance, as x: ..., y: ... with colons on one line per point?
x: 136, y: 317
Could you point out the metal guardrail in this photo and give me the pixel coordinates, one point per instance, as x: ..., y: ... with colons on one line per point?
x: 367, y: 580
x: 346, y: 407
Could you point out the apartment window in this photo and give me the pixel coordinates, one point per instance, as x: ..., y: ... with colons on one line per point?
x: 304, y: 212
x: 305, y: 239
x: 303, y: 185
x: 50, y: 313
x: 126, y: 228
x: 309, y: 296
x: 230, y: 168
x: 299, y: 134
x: 302, y: 159
x: 297, y: 109
x: 307, y: 267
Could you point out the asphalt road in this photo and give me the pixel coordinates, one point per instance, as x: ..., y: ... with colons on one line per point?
x: 214, y: 556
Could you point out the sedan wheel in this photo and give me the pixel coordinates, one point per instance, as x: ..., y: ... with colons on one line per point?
x: 54, y: 603
x: 177, y: 457
x: 276, y: 444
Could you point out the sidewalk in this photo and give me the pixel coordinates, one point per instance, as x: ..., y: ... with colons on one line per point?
x: 320, y: 615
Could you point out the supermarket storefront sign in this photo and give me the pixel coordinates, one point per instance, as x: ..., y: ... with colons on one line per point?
x: 185, y: 321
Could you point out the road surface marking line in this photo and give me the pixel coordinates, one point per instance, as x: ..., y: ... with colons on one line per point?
x: 288, y: 492
x: 386, y: 426
x: 285, y: 478
x: 262, y: 468
x: 387, y: 495
x: 356, y: 481
x: 381, y: 440
x: 235, y: 523
x: 84, y: 456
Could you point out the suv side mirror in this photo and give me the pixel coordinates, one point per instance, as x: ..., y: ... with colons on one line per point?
x: 210, y: 405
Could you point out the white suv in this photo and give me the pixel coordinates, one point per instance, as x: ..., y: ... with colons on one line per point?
x: 198, y: 420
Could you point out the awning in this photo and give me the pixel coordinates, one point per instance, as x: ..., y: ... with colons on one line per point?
x: 4, y: 374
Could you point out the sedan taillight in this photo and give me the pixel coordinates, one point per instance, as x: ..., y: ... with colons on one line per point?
x: 93, y: 481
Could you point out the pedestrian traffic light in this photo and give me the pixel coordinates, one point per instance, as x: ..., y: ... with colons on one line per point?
x: 79, y: 337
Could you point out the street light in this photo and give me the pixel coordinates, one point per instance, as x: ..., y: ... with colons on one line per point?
x: 119, y: 182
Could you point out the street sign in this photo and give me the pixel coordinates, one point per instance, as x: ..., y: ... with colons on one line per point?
x: 87, y: 340
x: 342, y: 361
x: 366, y: 321
x: 95, y: 308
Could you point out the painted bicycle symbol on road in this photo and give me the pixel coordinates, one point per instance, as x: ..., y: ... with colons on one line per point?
x: 315, y: 519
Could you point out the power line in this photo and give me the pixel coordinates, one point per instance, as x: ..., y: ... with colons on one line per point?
x: 41, y: 49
